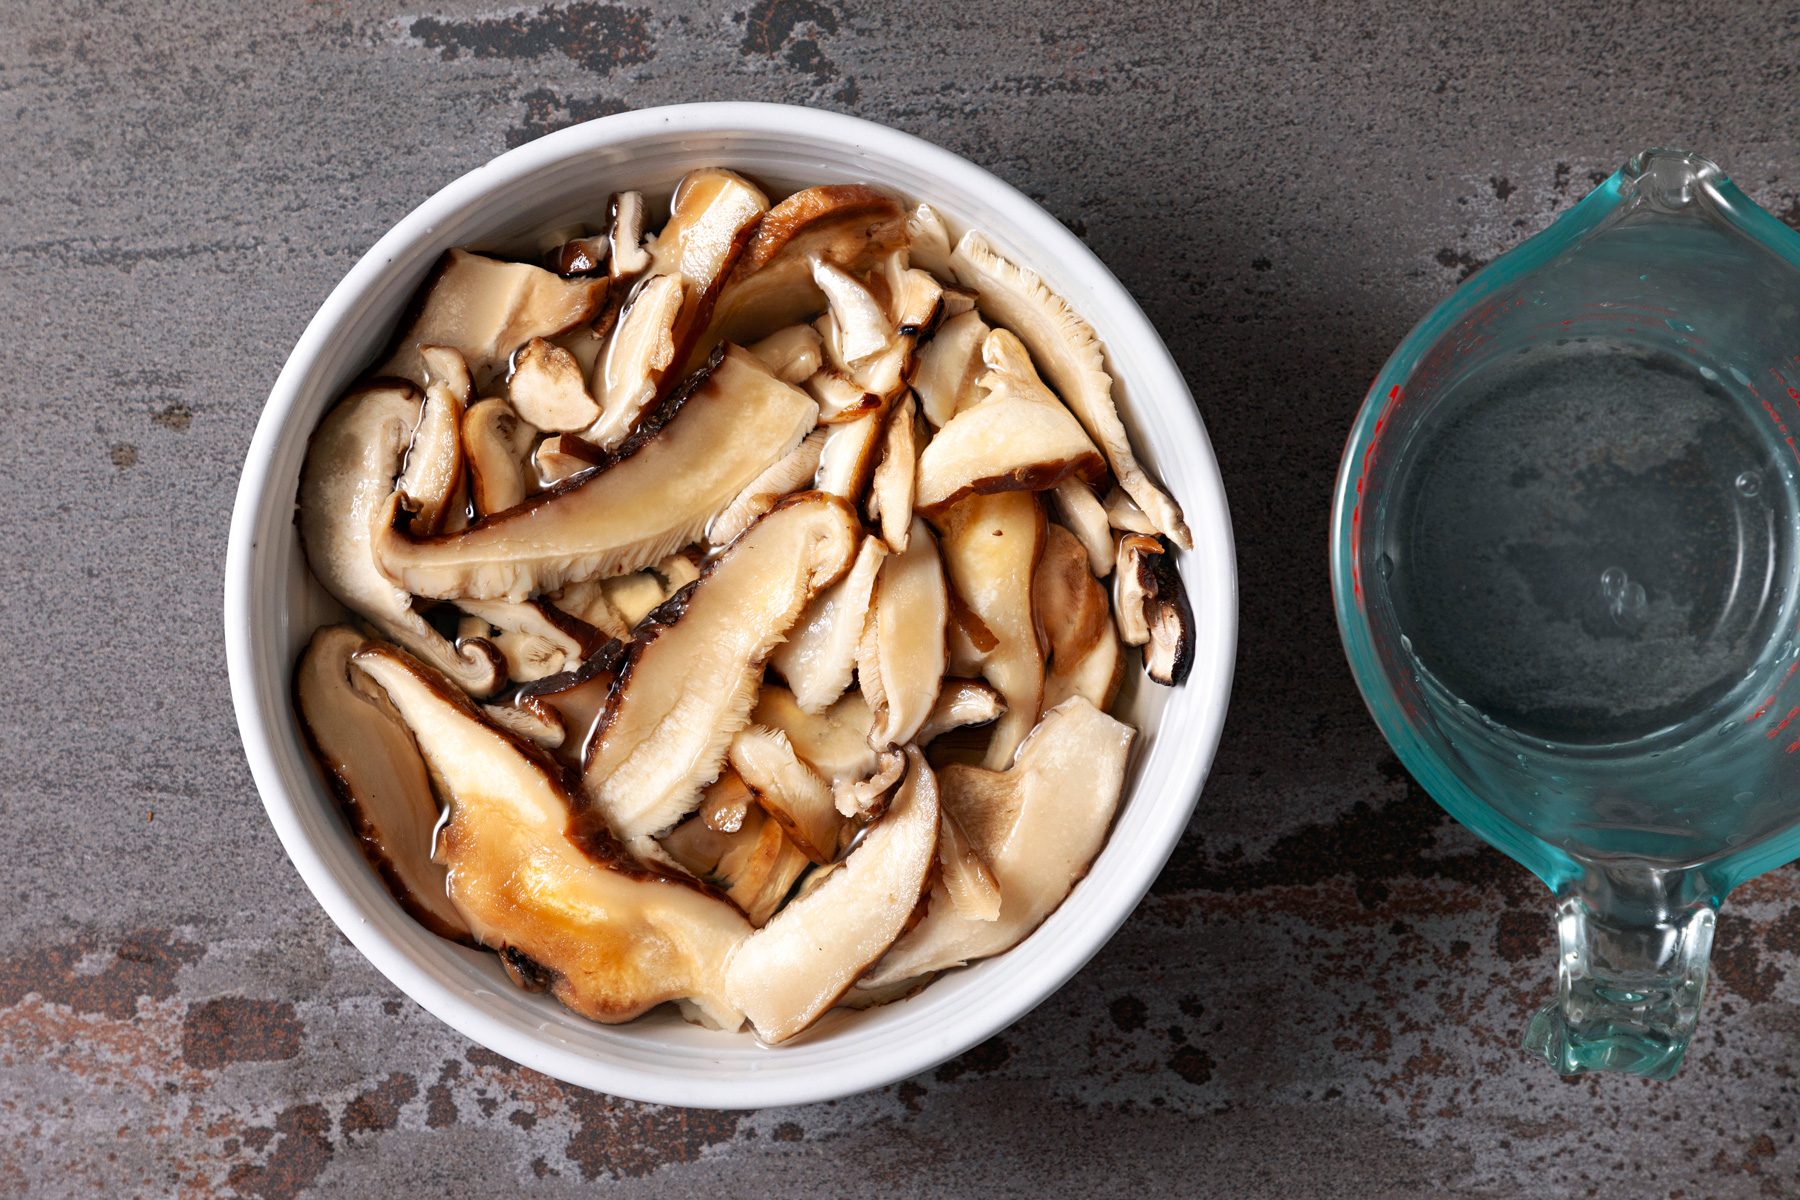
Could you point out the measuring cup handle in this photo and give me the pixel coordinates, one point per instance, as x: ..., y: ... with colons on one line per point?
x: 1635, y: 942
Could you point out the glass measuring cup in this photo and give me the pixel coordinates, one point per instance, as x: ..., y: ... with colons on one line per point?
x: 1564, y: 550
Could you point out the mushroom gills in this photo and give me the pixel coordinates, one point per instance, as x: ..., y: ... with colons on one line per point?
x: 1069, y: 354
x: 654, y: 495
x: 380, y: 781
x: 609, y: 938
x: 789, y: 474
x: 691, y: 673
x: 1037, y: 825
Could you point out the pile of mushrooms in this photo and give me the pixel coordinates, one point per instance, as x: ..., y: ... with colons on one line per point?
x: 731, y: 618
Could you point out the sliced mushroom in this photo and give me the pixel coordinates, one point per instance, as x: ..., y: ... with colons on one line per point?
x: 690, y: 676
x: 485, y: 309
x: 548, y: 389
x: 788, y: 789
x: 630, y: 373
x: 1038, y: 826
x: 634, y: 596
x: 375, y: 770
x: 841, y: 399
x: 967, y: 878
x: 792, y: 353
x: 850, y: 226
x: 788, y: 973
x: 625, y: 236
x: 1074, y: 623
x: 915, y: 297
x: 834, y: 741
x: 541, y: 727
x: 1134, y: 586
x: 848, y: 457
x: 991, y: 546
x: 901, y: 660
x: 929, y: 241
x: 726, y: 802
x: 433, y: 476
x: 891, y: 486
x: 496, y: 442
x: 610, y: 938
x: 957, y: 301
x: 1083, y: 516
x: 587, y: 341
x: 1019, y: 437
x: 712, y: 217
x: 960, y: 703
x: 580, y: 255
x: 445, y: 365
x: 949, y: 364
x: 754, y: 864
x: 654, y: 495
x: 790, y: 474
x: 861, y: 997
x: 1152, y: 609
x: 882, y: 374
x: 818, y: 660
x: 535, y: 637
x: 1070, y: 356
x: 576, y: 698
x: 863, y: 323
x: 587, y: 601
x: 1123, y: 514
x: 865, y: 798
x: 346, y: 487
x: 1067, y: 602
x: 564, y: 456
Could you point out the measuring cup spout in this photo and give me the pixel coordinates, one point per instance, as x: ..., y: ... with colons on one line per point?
x: 1668, y: 181
x: 1635, y: 941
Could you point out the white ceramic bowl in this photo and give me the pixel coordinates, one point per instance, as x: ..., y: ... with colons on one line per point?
x: 271, y: 605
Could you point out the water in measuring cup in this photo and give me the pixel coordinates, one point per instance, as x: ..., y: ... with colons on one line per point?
x: 1589, y: 553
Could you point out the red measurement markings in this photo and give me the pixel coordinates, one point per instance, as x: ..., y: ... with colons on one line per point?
x: 1784, y: 722
x: 1763, y: 710
x: 1793, y: 393
x: 1776, y: 417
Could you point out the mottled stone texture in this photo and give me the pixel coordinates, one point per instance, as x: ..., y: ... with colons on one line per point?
x: 1322, y: 996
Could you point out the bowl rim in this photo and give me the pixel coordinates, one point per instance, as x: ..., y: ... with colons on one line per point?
x: 1214, y: 559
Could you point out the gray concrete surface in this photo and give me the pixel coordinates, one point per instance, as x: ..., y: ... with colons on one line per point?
x: 1322, y: 995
